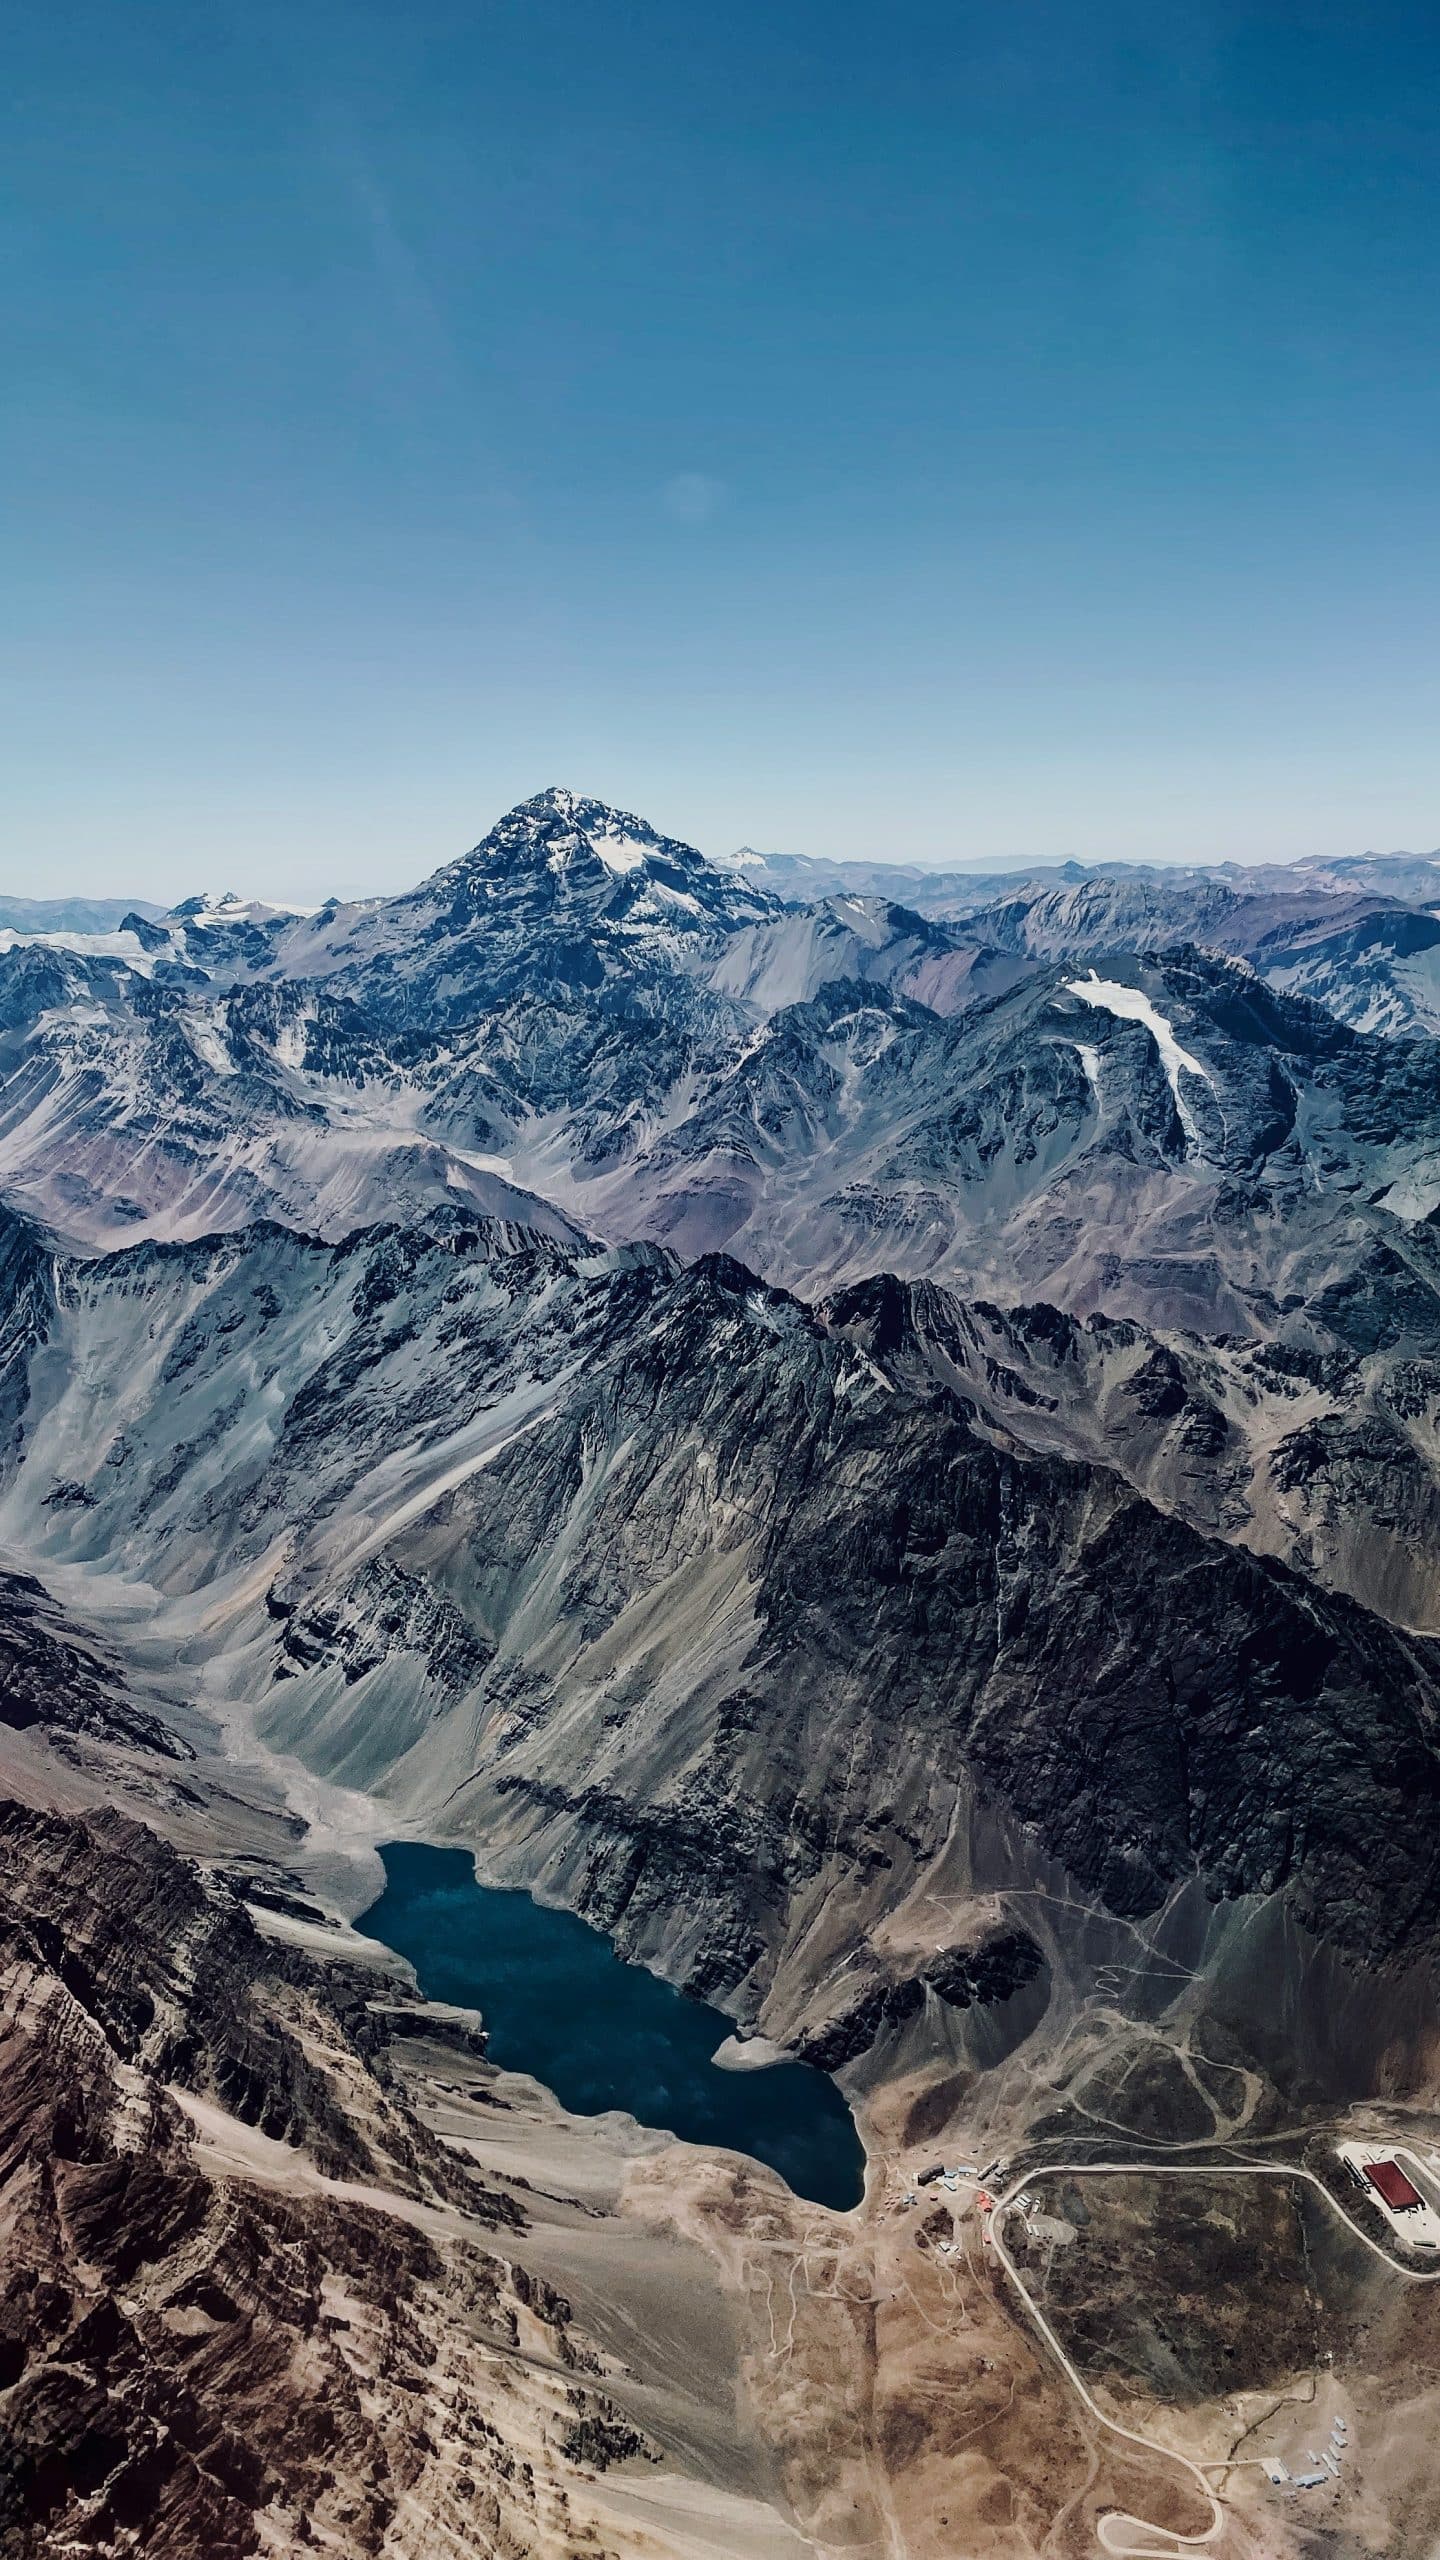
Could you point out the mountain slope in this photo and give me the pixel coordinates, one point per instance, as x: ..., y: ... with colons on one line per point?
x: 582, y: 1028
x: 585, y: 1025
x: 604, y: 1562
x: 1362, y: 936
x: 253, y: 2302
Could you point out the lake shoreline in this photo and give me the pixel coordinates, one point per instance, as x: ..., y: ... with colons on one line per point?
x: 560, y: 2005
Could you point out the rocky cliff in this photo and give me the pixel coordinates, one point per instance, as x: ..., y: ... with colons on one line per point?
x: 300, y: 2353
x: 724, y: 1610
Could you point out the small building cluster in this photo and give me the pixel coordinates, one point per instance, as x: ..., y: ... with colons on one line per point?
x: 964, y: 2173
x: 1322, y: 2467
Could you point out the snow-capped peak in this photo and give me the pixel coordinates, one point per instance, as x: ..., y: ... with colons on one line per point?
x: 585, y: 848
x: 745, y: 858
x: 231, y: 908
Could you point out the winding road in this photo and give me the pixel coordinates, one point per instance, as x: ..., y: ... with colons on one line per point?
x: 1127, y: 2537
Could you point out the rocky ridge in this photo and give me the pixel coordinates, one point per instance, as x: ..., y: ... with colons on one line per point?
x: 603, y: 1560
x: 318, y: 2343
x: 584, y: 1023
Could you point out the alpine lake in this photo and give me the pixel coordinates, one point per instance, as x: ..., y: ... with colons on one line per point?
x: 558, y: 2003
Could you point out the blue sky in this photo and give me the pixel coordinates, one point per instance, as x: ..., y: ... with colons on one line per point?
x: 939, y: 431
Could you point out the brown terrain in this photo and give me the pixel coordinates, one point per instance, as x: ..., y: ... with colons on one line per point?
x: 290, y: 2267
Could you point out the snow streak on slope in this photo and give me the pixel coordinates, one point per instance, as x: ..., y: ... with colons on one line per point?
x: 1131, y: 1004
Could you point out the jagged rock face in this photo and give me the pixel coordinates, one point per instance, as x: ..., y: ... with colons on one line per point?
x: 563, y: 898
x: 789, y: 958
x: 231, y: 1062
x: 611, y: 1562
x: 1317, y: 1445
x: 583, y: 1024
x: 180, y: 1104
x: 486, y: 1515
x: 168, y: 1972
x: 51, y: 1683
x: 988, y: 1974
x: 260, y: 2358
x: 1040, y: 1145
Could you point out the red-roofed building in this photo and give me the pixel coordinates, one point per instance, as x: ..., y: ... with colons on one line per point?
x: 1393, y: 2187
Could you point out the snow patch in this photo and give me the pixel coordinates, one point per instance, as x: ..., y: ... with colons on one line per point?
x: 230, y: 908
x: 502, y: 1165
x: 1131, y: 1004
x: 126, y: 947
x: 207, y: 1041
x: 620, y: 853
x: 291, y: 1041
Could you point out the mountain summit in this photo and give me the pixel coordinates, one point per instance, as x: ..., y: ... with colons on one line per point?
x: 564, y: 896
x: 584, y: 853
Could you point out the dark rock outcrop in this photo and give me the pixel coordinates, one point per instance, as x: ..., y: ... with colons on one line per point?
x: 197, y: 2356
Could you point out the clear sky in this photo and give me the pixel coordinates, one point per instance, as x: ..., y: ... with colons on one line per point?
x: 926, y: 429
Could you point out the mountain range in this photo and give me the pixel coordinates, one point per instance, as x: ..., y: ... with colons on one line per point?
x: 873, y: 1431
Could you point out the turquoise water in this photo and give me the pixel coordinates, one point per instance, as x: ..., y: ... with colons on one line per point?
x: 559, y: 2003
